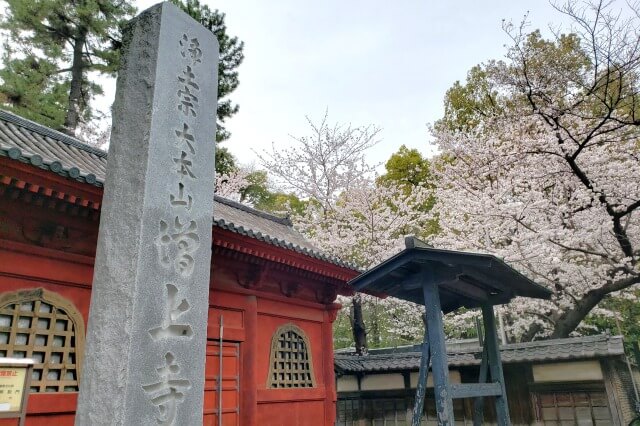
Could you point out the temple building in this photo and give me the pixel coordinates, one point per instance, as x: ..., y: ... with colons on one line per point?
x: 574, y: 381
x: 271, y: 300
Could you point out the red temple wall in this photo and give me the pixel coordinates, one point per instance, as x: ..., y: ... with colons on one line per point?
x: 25, y: 267
x: 251, y: 316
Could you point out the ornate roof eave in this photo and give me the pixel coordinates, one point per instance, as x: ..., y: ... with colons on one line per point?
x: 25, y: 180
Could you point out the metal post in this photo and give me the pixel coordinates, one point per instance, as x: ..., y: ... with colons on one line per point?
x: 495, y: 364
x: 439, y: 367
x: 421, y: 389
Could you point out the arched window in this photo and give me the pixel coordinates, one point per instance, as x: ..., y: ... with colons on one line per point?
x: 45, y: 327
x: 290, y: 360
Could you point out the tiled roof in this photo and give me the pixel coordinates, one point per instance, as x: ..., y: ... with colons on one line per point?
x: 408, y: 358
x: 28, y: 142
x: 262, y: 226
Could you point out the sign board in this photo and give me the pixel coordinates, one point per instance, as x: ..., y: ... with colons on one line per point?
x: 15, y: 376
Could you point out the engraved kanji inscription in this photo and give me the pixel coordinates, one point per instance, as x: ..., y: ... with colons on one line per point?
x: 188, y: 78
x: 185, y: 139
x: 175, y: 308
x: 184, y: 165
x: 168, y: 392
x: 176, y: 245
x: 191, y: 49
x: 181, y: 199
x: 188, y: 102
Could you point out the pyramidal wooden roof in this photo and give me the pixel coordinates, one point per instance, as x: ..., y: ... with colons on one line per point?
x: 464, y: 279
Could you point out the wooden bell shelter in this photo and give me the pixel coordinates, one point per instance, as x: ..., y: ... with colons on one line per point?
x: 443, y: 281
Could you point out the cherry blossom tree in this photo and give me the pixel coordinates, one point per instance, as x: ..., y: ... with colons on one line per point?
x: 96, y: 132
x: 230, y: 185
x: 324, y: 164
x: 353, y: 215
x: 548, y: 175
x: 366, y: 226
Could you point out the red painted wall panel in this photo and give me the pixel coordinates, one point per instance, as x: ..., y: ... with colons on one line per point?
x: 255, y: 403
x: 307, y: 413
x: 290, y: 288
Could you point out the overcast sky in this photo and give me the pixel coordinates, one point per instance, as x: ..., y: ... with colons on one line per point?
x: 387, y: 63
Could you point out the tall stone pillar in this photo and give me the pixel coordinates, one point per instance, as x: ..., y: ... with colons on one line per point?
x: 146, y: 335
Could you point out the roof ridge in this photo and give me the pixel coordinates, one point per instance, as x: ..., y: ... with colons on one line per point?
x: 52, y: 162
x: 573, y: 348
x: 576, y: 339
x: 510, y: 346
x: 49, y: 132
x: 236, y: 205
x: 77, y: 143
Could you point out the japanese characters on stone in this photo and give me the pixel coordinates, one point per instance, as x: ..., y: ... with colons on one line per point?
x: 152, y: 274
x: 168, y: 391
x: 178, y: 237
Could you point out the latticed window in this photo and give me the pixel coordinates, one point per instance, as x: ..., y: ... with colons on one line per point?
x: 291, y: 365
x: 45, y: 327
x: 580, y: 408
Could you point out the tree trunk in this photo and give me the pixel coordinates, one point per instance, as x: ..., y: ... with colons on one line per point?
x: 570, y: 320
x: 77, y: 77
x: 374, y: 328
x: 357, y: 325
x: 531, y: 332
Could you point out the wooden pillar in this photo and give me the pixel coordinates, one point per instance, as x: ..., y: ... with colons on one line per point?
x: 478, y: 403
x: 421, y: 388
x: 249, y: 401
x: 328, y: 367
x: 439, y: 367
x: 495, y: 364
x: 636, y: 352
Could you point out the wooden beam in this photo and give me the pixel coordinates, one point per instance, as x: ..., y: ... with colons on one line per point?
x: 413, y: 282
x: 495, y: 364
x: 362, y: 281
x: 421, y: 388
x: 478, y: 403
x: 465, y: 289
x: 491, y: 286
x: 439, y: 367
x: 473, y: 390
x: 441, y: 274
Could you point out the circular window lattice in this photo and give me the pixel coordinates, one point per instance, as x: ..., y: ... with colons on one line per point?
x: 291, y: 365
x: 31, y: 327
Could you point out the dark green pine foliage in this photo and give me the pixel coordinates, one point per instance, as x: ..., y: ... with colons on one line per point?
x: 32, y: 89
x: 53, y: 46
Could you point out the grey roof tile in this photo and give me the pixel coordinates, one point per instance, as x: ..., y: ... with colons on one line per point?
x: 29, y: 142
x: 408, y: 358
